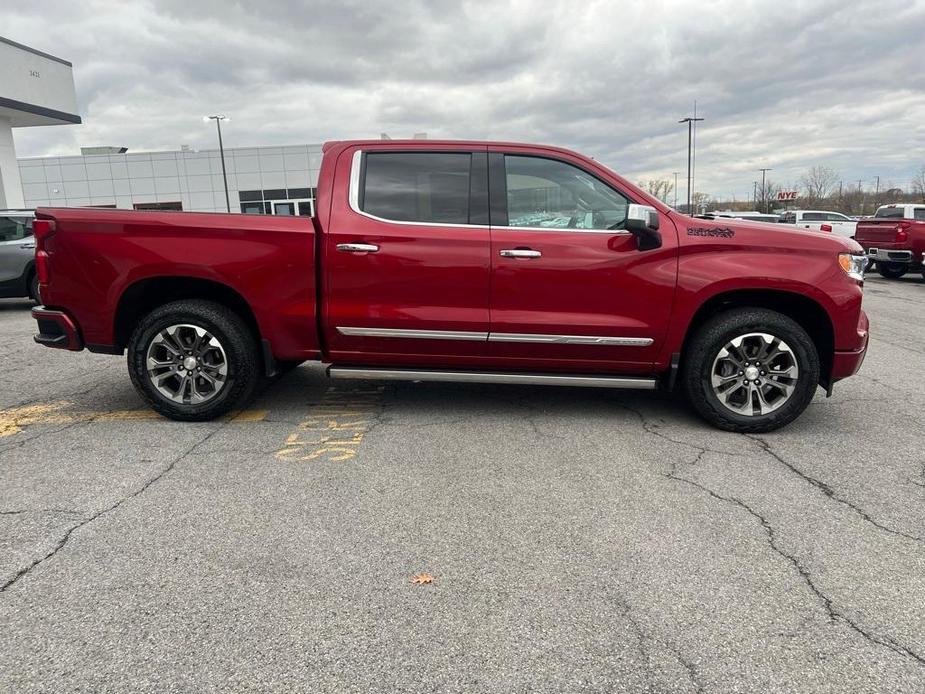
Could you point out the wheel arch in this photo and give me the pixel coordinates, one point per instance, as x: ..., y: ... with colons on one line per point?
x: 806, y: 311
x: 145, y: 295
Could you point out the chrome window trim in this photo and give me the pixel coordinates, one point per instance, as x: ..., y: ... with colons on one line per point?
x: 414, y: 334
x: 534, y: 338
x: 571, y: 339
x: 354, y: 199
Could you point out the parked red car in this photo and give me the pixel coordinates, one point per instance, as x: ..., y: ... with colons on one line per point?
x: 894, y: 238
x: 459, y: 261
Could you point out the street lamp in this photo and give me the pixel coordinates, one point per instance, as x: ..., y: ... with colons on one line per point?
x: 218, y: 124
x: 764, y: 191
x: 690, y: 120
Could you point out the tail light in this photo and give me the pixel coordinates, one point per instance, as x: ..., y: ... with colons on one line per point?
x: 825, y: 227
x: 901, y: 234
x: 42, y: 229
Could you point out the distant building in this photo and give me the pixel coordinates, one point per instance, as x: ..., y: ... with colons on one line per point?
x: 35, y: 89
x: 261, y: 180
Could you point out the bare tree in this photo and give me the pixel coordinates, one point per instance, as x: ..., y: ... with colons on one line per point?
x: 918, y: 183
x: 818, y: 183
x: 700, y: 201
x: 658, y: 187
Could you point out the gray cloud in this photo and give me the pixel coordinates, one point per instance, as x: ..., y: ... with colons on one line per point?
x: 784, y: 85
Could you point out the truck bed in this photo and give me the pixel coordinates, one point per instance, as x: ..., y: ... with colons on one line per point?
x: 102, y: 261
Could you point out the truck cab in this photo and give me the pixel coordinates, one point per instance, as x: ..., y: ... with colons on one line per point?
x: 821, y: 220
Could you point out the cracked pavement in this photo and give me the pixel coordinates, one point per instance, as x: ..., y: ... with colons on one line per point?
x: 580, y: 540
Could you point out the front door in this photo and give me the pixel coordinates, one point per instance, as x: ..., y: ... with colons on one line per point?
x: 570, y: 289
x: 406, y: 261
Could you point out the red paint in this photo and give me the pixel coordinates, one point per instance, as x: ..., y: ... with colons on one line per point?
x: 432, y: 277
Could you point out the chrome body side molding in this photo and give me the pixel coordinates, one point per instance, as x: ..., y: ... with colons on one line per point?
x: 414, y: 334
x: 570, y: 339
x: 384, y: 374
x: 497, y: 337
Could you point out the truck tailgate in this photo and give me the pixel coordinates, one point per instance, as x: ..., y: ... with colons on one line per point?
x: 874, y: 231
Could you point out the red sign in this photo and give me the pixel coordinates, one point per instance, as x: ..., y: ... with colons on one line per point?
x: 787, y: 195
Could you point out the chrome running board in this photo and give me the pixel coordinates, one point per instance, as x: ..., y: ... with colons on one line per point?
x: 379, y: 374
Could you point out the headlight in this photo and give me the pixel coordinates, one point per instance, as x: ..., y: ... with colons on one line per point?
x: 853, y: 264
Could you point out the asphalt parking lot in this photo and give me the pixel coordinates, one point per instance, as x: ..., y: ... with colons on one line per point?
x: 579, y: 540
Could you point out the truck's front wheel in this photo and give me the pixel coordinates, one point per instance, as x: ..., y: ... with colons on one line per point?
x: 892, y: 271
x: 193, y: 360
x: 750, y: 370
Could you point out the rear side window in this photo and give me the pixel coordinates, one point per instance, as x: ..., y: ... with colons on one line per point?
x: 429, y: 187
x: 919, y: 213
x: 15, y: 228
x: 890, y: 212
x: 814, y: 217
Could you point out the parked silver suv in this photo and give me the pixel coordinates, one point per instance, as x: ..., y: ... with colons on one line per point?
x: 17, y: 255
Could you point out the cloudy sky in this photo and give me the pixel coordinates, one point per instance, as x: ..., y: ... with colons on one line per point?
x: 785, y: 85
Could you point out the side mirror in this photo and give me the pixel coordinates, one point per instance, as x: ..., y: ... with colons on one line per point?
x: 642, y: 222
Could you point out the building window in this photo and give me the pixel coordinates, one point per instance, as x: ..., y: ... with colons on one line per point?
x: 175, y: 206
x: 279, y: 201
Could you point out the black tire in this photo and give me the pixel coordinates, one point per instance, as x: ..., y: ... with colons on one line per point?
x: 714, y: 335
x: 892, y: 271
x: 231, y: 332
x: 34, y: 288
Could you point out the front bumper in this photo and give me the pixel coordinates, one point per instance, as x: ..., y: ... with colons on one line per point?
x: 57, y: 329
x: 846, y: 363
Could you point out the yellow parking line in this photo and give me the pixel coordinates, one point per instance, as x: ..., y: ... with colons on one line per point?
x: 14, y: 419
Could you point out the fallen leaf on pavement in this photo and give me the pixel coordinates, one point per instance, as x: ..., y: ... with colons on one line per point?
x: 420, y: 579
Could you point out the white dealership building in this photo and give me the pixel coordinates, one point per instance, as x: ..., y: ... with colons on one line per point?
x: 35, y: 89
x: 261, y: 180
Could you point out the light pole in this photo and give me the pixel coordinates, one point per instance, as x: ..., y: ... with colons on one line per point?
x: 690, y: 120
x: 218, y: 124
x: 755, y: 194
x: 764, y: 191
x: 676, y: 188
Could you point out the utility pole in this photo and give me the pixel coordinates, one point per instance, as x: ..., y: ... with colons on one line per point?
x: 218, y: 124
x: 690, y: 120
x: 764, y: 191
x: 861, y: 196
x: 755, y: 194
x: 877, y: 192
x: 676, y: 188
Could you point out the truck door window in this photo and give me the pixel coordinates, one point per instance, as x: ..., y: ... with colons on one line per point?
x: 550, y: 194
x: 428, y: 187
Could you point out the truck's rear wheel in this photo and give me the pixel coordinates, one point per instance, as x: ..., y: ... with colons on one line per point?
x: 892, y: 271
x: 193, y: 360
x: 750, y: 370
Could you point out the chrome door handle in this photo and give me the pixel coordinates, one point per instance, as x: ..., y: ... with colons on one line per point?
x: 357, y: 247
x: 520, y: 253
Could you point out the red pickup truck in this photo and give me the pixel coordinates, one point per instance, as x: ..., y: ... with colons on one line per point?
x: 894, y: 238
x: 459, y: 261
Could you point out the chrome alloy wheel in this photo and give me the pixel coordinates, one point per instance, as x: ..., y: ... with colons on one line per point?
x: 186, y: 364
x: 754, y: 374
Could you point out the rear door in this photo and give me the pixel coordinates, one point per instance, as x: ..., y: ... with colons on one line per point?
x: 406, y: 264
x: 569, y: 288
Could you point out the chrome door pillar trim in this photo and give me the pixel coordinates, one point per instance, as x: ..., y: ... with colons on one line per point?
x: 414, y: 334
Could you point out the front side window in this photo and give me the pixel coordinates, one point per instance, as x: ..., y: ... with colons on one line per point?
x: 550, y: 194
x: 835, y: 217
x: 427, y: 187
x: 15, y: 228
x: 813, y: 217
